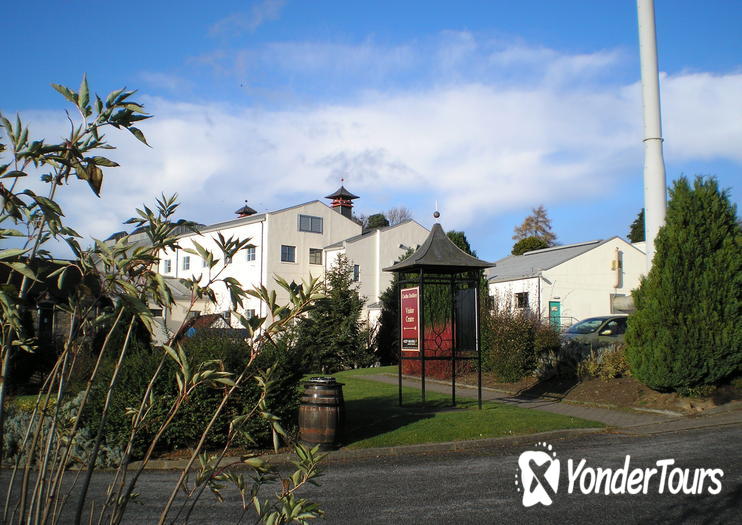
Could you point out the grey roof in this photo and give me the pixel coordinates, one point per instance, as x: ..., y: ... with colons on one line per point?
x: 439, y: 253
x: 255, y: 218
x: 532, y: 263
x: 178, y: 289
x: 366, y: 233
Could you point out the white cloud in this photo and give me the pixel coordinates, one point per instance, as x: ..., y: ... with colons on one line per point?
x: 702, y: 116
x: 481, y: 149
x: 173, y: 83
x: 260, y: 13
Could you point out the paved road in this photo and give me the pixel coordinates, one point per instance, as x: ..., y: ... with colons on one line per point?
x: 478, y: 486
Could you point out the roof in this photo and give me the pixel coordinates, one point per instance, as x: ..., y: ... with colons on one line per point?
x: 532, y: 263
x: 367, y: 233
x: 178, y: 289
x: 439, y: 253
x: 246, y: 210
x: 240, y: 221
x: 341, y: 193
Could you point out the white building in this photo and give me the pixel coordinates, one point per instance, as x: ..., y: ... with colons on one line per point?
x: 288, y: 243
x: 568, y: 283
x: 372, y: 251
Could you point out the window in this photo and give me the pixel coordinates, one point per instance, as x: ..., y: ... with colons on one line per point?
x: 288, y: 253
x: 249, y: 313
x: 186, y: 262
x: 315, y: 256
x: 521, y: 300
x: 309, y: 223
x: 356, y: 272
x: 616, y: 326
x: 250, y: 253
x: 167, y: 266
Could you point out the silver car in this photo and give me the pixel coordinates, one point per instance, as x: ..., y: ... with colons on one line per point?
x: 598, y: 331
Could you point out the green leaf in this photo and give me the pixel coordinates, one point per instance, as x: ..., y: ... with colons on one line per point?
x: 138, y: 134
x: 84, y: 96
x: 13, y: 175
x: 23, y: 269
x: 12, y: 252
x: 102, y: 161
x: 133, y: 106
x: 66, y: 92
x: 113, y: 96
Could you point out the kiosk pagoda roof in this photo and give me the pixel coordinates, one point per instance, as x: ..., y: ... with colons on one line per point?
x: 438, y: 254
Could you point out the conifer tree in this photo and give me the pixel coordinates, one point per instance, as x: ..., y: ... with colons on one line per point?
x: 636, y: 230
x: 686, y: 331
x: 331, y: 336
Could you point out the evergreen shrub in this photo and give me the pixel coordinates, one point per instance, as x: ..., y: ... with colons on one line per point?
x: 686, y: 331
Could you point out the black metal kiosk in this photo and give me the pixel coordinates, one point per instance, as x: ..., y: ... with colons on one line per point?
x: 438, y: 293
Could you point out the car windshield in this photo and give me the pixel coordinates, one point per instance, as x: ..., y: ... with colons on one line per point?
x: 587, y: 326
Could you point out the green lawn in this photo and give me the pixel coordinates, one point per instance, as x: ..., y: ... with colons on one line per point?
x: 374, y: 419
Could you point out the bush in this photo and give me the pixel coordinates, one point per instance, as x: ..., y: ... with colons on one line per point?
x: 18, y: 423
x: 529, y: 244
x: 614, y: 363
x: 194, y: 414
x: 686, y: 331
x: 513, y: 342
x: 608, y: 362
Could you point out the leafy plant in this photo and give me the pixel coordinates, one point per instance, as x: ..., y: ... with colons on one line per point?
x: 116, y: 284
x: 514, y: 341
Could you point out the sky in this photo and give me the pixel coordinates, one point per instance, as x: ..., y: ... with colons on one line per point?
x: 488, y: 108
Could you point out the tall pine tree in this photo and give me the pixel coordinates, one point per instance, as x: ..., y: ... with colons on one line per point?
x: 686, y: 331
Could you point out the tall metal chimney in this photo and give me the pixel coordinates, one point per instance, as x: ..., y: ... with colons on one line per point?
x: 655, y: 193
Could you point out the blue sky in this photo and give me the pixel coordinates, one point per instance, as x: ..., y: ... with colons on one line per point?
x: 490, y: 108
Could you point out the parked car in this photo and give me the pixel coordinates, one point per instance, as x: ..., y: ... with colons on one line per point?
x: 597, y: 331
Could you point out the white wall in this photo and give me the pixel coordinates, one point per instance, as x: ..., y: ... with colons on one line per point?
x: 248, y: 273
x: 582, y: 285
x: 504, y: 293
x: 378, y: 250
x: 267, y: 235
x: 283, y: 230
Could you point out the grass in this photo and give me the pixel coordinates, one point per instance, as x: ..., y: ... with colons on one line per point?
x: 374, y: 418
x: 27, y: 403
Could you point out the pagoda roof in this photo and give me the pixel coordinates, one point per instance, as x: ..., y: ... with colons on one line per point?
x: 439, y: 254
x: 246, y: 210
x: 342, y: 193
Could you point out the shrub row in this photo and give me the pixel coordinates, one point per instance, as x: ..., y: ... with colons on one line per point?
x: 196, y: 412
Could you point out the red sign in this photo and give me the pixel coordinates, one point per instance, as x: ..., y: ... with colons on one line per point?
x: 410, y: 308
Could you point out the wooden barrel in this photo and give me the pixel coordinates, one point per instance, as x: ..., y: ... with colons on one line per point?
x: 321, y: 413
